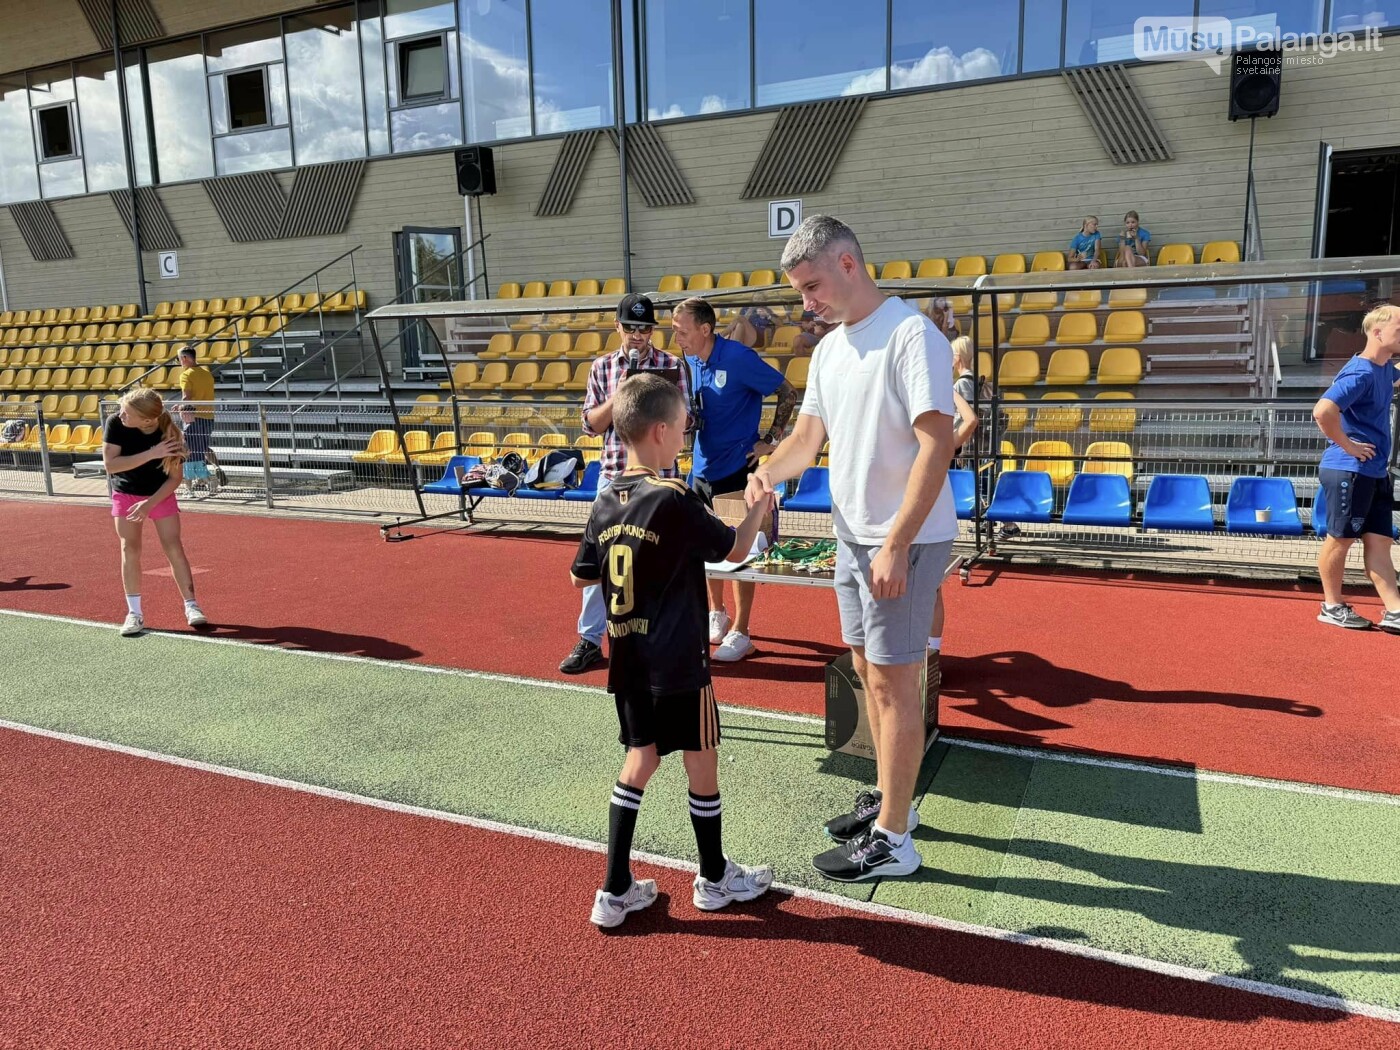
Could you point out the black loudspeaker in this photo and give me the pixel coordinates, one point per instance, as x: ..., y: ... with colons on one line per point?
x: 476, y: 171
x: 1254, y: 83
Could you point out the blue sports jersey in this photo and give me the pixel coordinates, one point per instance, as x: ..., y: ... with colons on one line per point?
x: 1085, y: 245
x: 1362, y: 390
x: 729, y: 388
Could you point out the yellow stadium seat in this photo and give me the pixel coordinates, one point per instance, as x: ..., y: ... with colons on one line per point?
x: 985, y: 336
x: 1112, y: 420
x: 762, y: 278
x: 700, y: 282
x: 932, y: 268
x: 524, y: 375
x: 1048, y: 262
x: 730, y: 279
x: 559, y: 345
x: 783, y: 337
x: 870, y: 269
x: 587, y: 344
x: 21, y: 442
x: 442, y: 450
x: 499, y: 346
x: 1006, y: 302
x: 424, y: 408
x: 1010, y: 263
x: 796, y: 373
x: 1008, y: 456
x: 1069, y: 366
x: 380, y: 444
x: 970, y: 266
x: 984, y: 364
x: 111, y: 355
x: 68, y: 407
x: 117, y: 377
x: 24, y: 379
x: 1127, y: 298
x: 533, y: 290
x: 672, y: 282
x: 1120, y: 364
x: 518, y: 442
x: 613, y: 342
x: 49, y: 405
x: 1030, y: 330
x: 1019, y: 368
x: 59, y: 379
x: 552, y: 378
x: 1125, y: 326
x: 579, y: 380
x: 58, y: 433
x: 162, y: 310
x: 463, y: 375
x: 896, y: 270
x: 154, y: 379
x: 509, y: 290
x: 1083, y: 299
x: 1051, y: 418
x: 1077, y: 329
x: 67, y: 355
x: 97, y: 379
x: 43, y: 379
x: 78, y: 438
x: 482, y: 444
x: 560, y: 288
x: 1109, y: 457
x: 587, y: 286
x: 531, y: 344
x: 415, y: 443
x: 78, y: 379
x: 65, y: 315
x: 486, y: 408
x: 1176, y: 255
x: 1220, y: 252
x: 49, y: 316
x: 1046, y: 456
x: 492, y: 376
x: 591, y: 445
x: 8, y: 379
x: 614, y: 286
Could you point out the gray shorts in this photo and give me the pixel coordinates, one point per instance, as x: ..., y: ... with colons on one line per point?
x: 891, y: 630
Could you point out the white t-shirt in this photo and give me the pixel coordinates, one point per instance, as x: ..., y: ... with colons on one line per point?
x: 867, y: 383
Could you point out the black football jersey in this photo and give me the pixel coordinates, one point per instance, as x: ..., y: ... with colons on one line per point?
x: 647, y: 542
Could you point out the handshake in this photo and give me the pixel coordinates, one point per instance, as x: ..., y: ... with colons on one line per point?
x: 759, y: 491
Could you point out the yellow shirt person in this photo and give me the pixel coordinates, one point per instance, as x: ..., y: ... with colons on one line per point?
x: 197, y: 385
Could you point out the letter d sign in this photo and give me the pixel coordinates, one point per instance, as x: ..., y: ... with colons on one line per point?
x: 783, y: 217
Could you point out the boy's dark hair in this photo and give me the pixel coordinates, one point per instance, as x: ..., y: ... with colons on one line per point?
x: 701, y: 312
x: 642, y: 401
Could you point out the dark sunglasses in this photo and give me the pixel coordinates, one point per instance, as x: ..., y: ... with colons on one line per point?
x: 642, y: 328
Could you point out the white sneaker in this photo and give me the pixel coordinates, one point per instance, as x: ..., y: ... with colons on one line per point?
x: 194, y: 616
x: 739, y: 883
x: 609, y: 911
x: 132, y: 625
x: 735, y: 647
x: 719, y: 625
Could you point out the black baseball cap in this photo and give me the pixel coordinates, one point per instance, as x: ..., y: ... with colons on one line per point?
x: 636, y: 309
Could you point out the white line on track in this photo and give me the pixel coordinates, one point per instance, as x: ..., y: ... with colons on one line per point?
x: 1045, y: 754
x: 1186, y: 973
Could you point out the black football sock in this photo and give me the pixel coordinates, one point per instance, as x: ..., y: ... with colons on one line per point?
x: 622, y: 822
x: 705, y: 817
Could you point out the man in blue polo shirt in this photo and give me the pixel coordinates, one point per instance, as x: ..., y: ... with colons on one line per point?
x: 728, y: 383
x: 1354, y: 415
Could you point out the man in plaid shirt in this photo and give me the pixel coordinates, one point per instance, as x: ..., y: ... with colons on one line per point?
x: 636, y: 318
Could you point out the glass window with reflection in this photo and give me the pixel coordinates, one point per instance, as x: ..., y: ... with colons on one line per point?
x: 372, y: 58
x: 403, y: 18
x: 104, y: 152
x: 52, y: 97
x: 19, y: 177
x: 945, y: 41
x: 1102, y: 30
x: 1268, y: 17
x: 573, y: 64
x: 323, y: 73
x: 697, y: 57
x: 136, y: 112
x: 424, y: 86
x: 495, y: 69
x: 1041, y: 45
x: 1356, y: 16
x: 180, y: 108
x: 805, y: 49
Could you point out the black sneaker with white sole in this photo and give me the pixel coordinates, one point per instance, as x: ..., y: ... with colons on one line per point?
x: 581, y: 657
x: 861, y: 818
x: 1343, y: 616
x: 870, y: 855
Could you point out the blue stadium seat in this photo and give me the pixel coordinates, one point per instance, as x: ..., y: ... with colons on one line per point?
x: 964, y: 486
x: 813, y: 492
x: 587, y: 491
x: 447, y: 484
x: 1272, y: 494
x: 1319, y: 516
x: 1098, y: 499
x: 1178, y: 501
x: 1022, y: 495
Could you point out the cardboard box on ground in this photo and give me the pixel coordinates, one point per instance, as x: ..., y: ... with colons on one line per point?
x: 848, y: 728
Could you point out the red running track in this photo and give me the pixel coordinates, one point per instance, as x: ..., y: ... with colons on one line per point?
x: 1221, y: 676
x: 146, y: 904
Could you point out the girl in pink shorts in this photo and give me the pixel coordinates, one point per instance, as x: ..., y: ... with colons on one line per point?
x: 144, y: 453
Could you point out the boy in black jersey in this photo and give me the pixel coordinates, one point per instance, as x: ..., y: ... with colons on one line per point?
x: 647, y: 542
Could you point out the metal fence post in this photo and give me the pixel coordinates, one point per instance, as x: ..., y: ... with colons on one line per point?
x: 44, y: 462
x: 266, y: 456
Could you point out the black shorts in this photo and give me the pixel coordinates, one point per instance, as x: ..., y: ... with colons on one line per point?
x: 672, y: 721
x: 1357, y: 503
x: 197, y: 433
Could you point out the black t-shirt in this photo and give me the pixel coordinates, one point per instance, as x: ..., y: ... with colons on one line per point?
x: 146, y: 479
x: 647, y: 541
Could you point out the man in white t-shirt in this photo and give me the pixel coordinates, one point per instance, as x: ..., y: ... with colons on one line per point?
x: 880, y: 387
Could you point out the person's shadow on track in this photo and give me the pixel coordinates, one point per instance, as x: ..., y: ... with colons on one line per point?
x: 313, y: 639
x: 21, y: 583
x: 982, y: 685
x: 971, y: 959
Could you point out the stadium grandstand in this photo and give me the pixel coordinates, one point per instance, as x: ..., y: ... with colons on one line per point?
x: 305, y: 178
